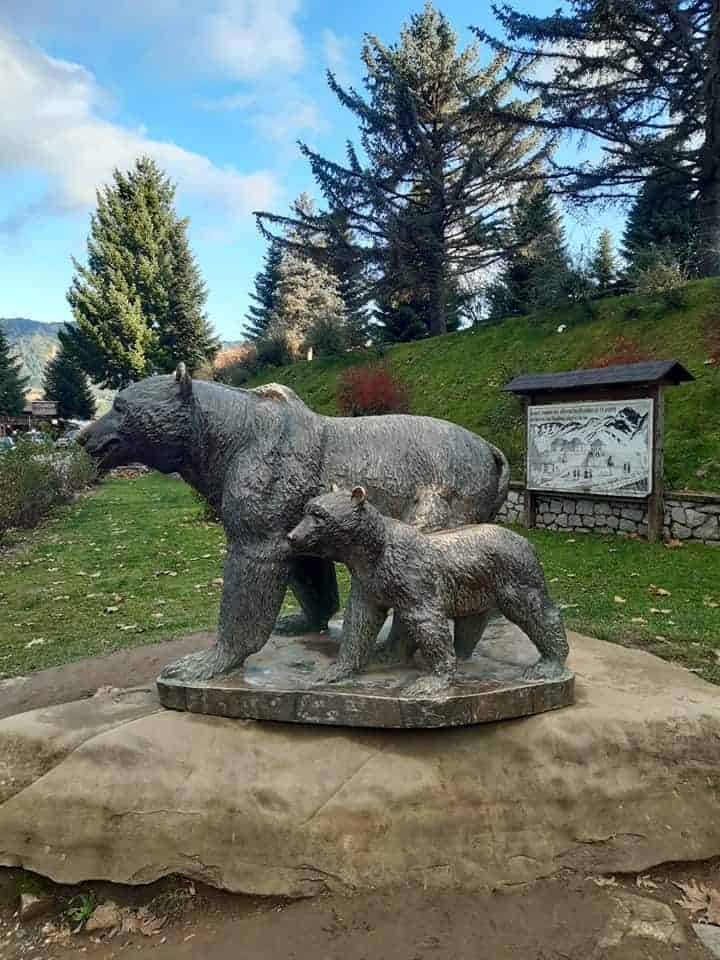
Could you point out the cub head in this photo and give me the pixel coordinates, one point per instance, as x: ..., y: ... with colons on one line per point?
x: 149, y: 422
x: 332, y: 523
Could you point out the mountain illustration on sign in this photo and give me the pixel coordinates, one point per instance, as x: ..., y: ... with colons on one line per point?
x: 609, y: 452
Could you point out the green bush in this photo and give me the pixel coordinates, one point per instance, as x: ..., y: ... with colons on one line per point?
x: 35, y: 477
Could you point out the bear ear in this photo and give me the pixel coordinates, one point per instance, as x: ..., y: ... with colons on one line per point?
x: 184, y: 379
x: 359, y: 495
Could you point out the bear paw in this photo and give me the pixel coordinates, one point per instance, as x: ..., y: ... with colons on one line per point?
x: 196, y: 667
x: 545, y: 669
x: 435, y: 687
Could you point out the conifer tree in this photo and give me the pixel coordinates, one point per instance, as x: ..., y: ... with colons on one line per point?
x: 641, y: 78
x: 603, y: 267
x: 12, y: 384
x: 537, y: 269
x: 440, y: 158
x: 307, y: 293
x: 662, y: 221
x: 264, y: 297
x: 138, y: 302
x: 66, y: 384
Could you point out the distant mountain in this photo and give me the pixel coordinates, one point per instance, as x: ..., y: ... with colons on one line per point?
x: 34, y: 343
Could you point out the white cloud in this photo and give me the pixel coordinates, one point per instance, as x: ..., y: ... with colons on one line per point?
x: 236, y: 38
x: 335, y: 47
x: 249, y: 37
x: 286, y: 123
x: 53, y: 126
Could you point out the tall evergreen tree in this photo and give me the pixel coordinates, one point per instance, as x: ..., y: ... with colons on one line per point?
x: 604, y: 267
x: 307, y: 292
x: 12, y: 384
x: 67, y: 384
x: 264, y: 297
x: 185, y: 332
x: 536, y: 273
x: 662, y: 219
x: 642, y: 77
x: 438, y: 154
x: 140, y: 298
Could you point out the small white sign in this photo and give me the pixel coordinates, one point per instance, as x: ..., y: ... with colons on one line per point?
x: 602, y: 447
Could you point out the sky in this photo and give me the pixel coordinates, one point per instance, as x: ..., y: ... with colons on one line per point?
x: 217, y: 91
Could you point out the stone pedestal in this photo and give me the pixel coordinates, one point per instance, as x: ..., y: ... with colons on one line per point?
x: 283, y: 682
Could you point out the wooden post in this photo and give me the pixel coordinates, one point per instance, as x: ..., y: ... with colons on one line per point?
x: 656, y: 500
x: 529, y: 500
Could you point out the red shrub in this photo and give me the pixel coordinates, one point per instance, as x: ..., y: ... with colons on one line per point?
x: 364, y: 391
x: 624, y: 350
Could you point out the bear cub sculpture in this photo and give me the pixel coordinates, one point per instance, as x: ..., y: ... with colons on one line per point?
x: 427, y: 579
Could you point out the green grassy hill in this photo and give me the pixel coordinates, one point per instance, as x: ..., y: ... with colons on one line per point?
x: 458, y: 377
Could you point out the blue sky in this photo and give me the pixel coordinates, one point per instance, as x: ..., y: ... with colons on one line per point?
x: 218, y: 91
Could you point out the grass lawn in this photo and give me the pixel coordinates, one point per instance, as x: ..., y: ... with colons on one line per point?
x: 134, y: 562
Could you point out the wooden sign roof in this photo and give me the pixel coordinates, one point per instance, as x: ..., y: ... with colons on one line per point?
x: 651, y: 372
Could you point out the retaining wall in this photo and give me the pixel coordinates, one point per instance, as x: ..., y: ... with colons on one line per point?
x: 688, y: 516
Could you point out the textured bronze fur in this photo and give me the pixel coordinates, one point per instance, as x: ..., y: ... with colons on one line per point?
x: 258, y: 456
x: 427, y: 579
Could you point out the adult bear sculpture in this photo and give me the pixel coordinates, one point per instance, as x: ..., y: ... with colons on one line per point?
x: 258, y: 456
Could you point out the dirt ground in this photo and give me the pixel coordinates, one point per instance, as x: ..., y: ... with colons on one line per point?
x: 568, y: 917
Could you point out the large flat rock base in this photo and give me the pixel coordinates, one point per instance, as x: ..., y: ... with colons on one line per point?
x: 116, y: 787
x: 284, y: 682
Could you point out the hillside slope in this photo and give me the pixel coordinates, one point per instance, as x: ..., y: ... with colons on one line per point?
x: 34, y: 343
x: 459, y: 376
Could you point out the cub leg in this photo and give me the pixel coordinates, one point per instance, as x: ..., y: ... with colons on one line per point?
x: 430, y: 631
x: 314, y: 584
x: 362, y: 623
x: 468, y: 631
x: 255, y: 579
x: 535, y: 613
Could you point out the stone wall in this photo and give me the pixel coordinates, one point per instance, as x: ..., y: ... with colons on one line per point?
x: 688, y: 516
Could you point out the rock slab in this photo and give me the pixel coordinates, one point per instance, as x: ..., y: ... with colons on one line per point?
x: 117, y: 788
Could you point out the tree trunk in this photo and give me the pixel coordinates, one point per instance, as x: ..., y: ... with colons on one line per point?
x: 709, y: 188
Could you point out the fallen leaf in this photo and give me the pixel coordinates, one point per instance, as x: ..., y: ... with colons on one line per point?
x: 604, y: 881
x: 658, y: 591
x: 218, y: 582
x: 645, y: 883
x: 696, y: 896
x: 674, y: 544
x: 638, y: 620
x: 111, y: 609
x: 37, y: 642
x: 617, y: 599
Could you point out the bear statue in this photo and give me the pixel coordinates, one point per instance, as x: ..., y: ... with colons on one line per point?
x: 426, y: 579
x: 258, y: 456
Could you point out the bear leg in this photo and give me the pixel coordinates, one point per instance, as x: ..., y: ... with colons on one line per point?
x: 314, y: 583
x: 430, y: 631
x: 361, y: 625
x: 468, y: 632
x: 254, y: 585
x: 535, y: 613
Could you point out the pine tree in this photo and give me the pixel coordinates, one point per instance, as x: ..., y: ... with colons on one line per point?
x: 12, y: 385
x: 662, y: 220
x: 307, y: 292
x: 642, y: 78
x: 440, y: 159
x: 67, y: 384
x: 138, y: 303
x: 186, y: 333
x: 264, y: 296
x: 536, y: 274
x: 604, y: 268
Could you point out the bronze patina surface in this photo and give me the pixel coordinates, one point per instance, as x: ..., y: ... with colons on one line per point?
x: 281, y: 683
